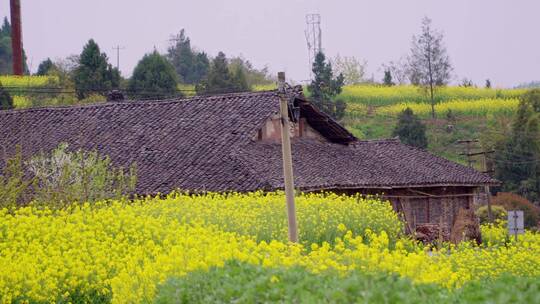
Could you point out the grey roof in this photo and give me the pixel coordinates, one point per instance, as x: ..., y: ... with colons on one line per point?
x: 366, y: 164
x: 207, y: 143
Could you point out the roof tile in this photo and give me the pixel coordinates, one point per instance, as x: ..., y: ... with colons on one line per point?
x: 205, y: 143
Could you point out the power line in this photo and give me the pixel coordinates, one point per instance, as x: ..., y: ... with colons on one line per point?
x: 118, y: 48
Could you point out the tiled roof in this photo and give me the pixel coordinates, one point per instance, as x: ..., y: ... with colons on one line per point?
x: 206, y: 143
x: 367, y: 164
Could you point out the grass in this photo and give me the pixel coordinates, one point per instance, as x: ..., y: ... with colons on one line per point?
x: 442, y: 133
x: 484, y: 114
x: 245, y: 283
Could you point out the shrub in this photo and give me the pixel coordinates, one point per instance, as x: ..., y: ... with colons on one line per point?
x: 12, y: 183
x: 6, y: 101
x: 511, y: 201
x: 93, y: 73
x: 410, y: 129
x: 498, y: 212
x: 153, y: 78
x: 63, y: 177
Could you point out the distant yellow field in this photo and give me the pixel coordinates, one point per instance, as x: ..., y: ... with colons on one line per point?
x: 28, y: 81
x: 265, y: 87
x: 21, y: 102
x: 187, y: 89
x: 383, y: 96
x: 476, y: 107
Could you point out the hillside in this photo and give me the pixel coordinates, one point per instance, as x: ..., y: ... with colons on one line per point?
x: 461, y: 113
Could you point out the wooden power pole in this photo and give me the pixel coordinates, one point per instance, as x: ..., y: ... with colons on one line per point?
x: 287, y: 158
x: 468, y: 147
x: 16, y: 37
x: 486, y: 188
x: 468, y: 152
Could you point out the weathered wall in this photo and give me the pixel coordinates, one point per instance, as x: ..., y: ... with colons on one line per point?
x: 271, y: 130
x: 435, y: 205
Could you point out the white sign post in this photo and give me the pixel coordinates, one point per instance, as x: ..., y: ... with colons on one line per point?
x: 515, y: 223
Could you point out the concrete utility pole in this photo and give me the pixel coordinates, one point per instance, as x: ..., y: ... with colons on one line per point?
x: 287, y: 158
x: 118, y: 48
x: 16, y: 37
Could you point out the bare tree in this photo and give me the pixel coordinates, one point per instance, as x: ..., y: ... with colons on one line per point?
x: 398, y: 69
x: 352, y: 69
x: 429, y: 64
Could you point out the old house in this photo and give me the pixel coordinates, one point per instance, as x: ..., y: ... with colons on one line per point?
x: 232, y: 142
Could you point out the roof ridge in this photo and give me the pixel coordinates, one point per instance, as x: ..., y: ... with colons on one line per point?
x: 134, y: 102
x: 377, y: 141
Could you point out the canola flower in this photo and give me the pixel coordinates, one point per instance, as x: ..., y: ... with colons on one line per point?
x: 27, y: 81
x: 121, y: 251
x: 265, y: 87
x: 384, y: 96
x: 495, y: 234
x: 21, y: 102
x: 478, y: 107
x: 263, y: 215
x: 17, y: 87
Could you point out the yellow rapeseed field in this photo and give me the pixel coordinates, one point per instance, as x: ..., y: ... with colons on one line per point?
x: 477, y: 107
x: 21, y: 102
x: 27, y: 81
x: 123, y: 250
x: 383, y: 95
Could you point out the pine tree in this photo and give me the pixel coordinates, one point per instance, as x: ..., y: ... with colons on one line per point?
x: 200, y: 68
x: 324, y: 87
x: 153, y: 77
x: 5, y: 30
x: 239, y: 80
x: 190, y: 65
x: 94, y: 75
x: 6, y: 102
x: 221, y: 79
x: 44, y: 67
x: 517, y: 158
x: 387, y: 80
x: 410, y: 129
x: 6, y: 55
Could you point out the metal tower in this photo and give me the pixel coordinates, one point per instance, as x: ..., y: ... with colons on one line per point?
x: 313, y: 38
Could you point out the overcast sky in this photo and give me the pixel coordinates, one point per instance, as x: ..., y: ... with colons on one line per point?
x: 495, y: 39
